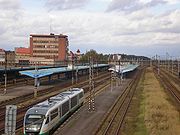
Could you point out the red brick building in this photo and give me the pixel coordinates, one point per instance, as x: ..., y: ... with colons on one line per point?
x: 54, y: 47
x: 22, y: 55
x: 2, y: 56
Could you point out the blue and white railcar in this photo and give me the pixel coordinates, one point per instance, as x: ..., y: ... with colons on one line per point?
x: 45, y: 117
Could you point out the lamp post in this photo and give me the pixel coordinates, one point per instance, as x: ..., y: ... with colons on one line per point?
x: 178, y: 69
x: 158, y: 65
x: 178, y: 65
x: 172, y: 64
x: 97, y: 68
x: 36, y: 81
x: 72, y: 70
x: 76, y: 71
x: 120, y: 71
x: 5, y: 73
x: 168, y: 63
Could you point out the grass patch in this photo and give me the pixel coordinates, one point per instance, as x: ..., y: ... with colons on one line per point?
x: 141, y: 128
x: 151, y: 111
x: 161, y: 117
x: 134, y: 121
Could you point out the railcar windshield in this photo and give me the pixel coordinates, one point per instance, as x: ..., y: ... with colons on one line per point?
x: 33, y: 122
x: 34, y: 119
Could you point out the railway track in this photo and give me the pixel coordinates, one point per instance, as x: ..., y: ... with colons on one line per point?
x: 44, y: 95
x: 113, y: 120
x: 168, y: 85
x: 101, y: 87
x: 173, y: 77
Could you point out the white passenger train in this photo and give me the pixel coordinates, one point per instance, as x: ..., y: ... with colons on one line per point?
x: 46, y: 116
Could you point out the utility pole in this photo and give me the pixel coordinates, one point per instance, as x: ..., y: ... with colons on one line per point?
x: 35, y: 81
x: 72, y: 70
x: 168, y: 63
x: 158, y: 65
x: 172, y: 64
x: 5, y: 74
x: 97, y: 68
x: 10, y: 120
x: 76, y: 73
x: 91, y: 86
x: 178, y: 67
x: 112, y: 80
x: 150, y: 62
x: 120, y: 71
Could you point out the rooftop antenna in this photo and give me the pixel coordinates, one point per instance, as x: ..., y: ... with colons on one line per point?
x: 50, y: 25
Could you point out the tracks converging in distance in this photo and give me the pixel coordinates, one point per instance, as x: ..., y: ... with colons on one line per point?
x: 113, y: 120
x: 168, y: 82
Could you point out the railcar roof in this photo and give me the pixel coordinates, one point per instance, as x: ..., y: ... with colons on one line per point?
x: 43, y: 107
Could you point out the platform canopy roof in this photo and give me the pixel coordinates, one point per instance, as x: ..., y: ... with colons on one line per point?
x: 38, y: 73
x: 124, y: 68
x: 129, y: 68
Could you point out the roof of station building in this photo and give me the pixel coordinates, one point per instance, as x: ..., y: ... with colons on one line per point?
x: 50, y: 35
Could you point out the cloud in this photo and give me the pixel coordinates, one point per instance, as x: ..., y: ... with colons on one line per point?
x: 10, y: 9
x: 173, y: 1
x: 9, y: 4
x: 64, y: 4
x: 89, y: 30
x: 103, y: 31
x: 10, y: 14
x: 132, y: 5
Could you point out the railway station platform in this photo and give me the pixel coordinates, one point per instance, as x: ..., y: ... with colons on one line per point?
x: 49, y: 72
x: 84, y: 122
x: 54, y: 79
x: 19, y: 91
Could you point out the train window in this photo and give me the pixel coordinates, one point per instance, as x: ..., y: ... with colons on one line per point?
x: 47, y: 121
x: 60, y: 111
x: 65, y: 108
x: 34, y: 118
x: 73, y: 101
x: 80, y: 95
x: 54, y: 113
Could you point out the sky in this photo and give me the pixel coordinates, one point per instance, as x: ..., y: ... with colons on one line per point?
x: 136, y: 27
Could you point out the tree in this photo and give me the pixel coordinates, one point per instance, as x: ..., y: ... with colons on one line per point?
x: 100, y: 58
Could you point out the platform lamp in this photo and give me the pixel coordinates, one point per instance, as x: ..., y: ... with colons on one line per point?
x: 5, y: 73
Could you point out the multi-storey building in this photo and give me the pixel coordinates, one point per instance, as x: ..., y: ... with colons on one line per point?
x: 50, y: 47
x: 2, y: 56
x: 7, y: 57
x: 10, y: 55
x: 22, y: 56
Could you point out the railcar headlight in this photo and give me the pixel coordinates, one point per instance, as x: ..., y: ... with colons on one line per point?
x: 33, y: 128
